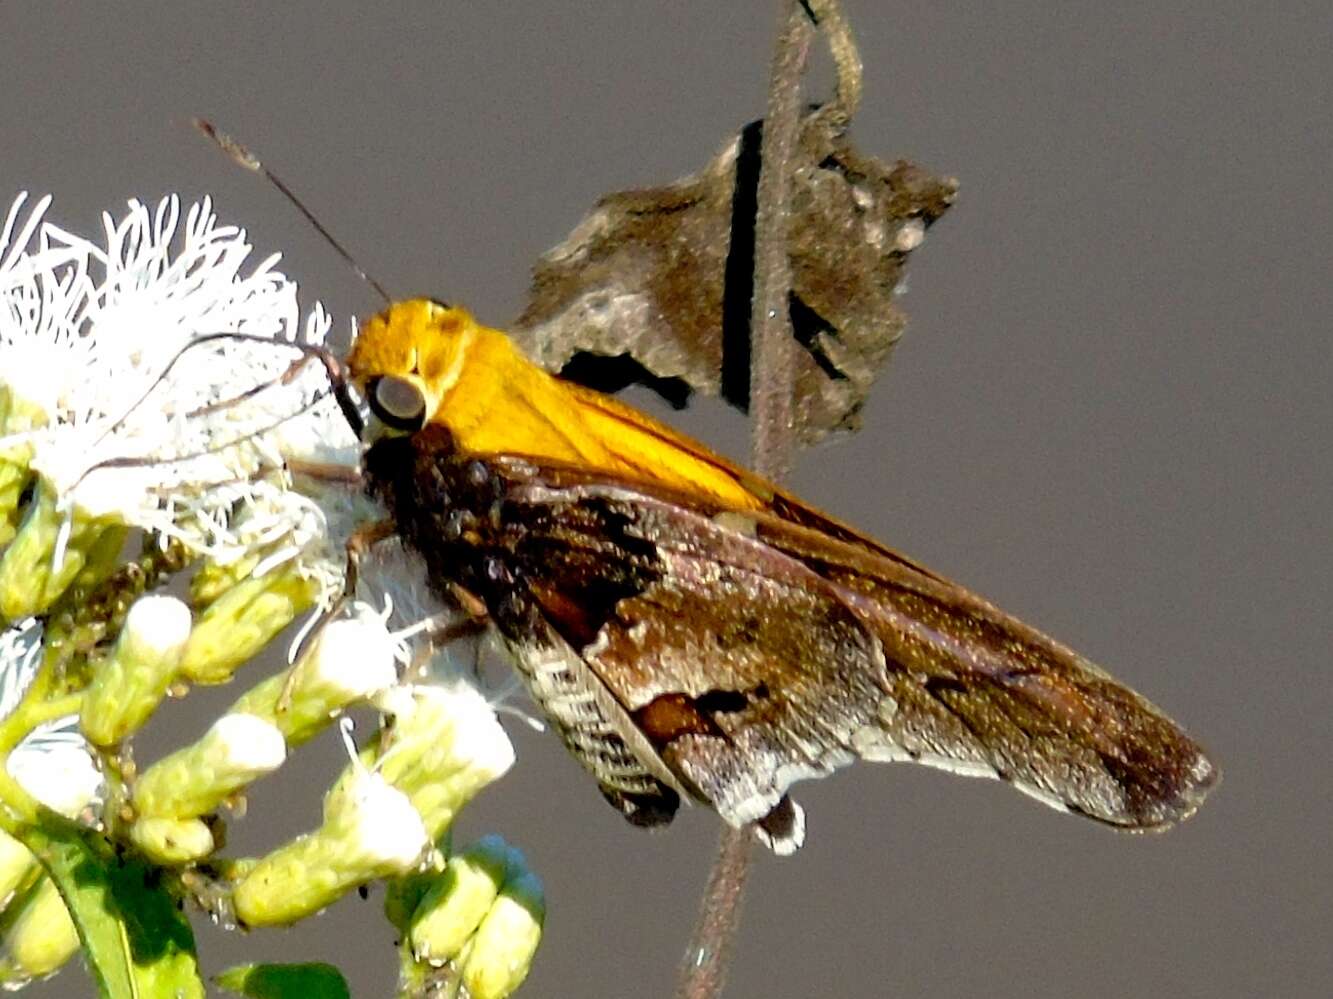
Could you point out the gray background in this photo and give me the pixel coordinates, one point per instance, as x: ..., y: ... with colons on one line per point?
x: 1110, y: 415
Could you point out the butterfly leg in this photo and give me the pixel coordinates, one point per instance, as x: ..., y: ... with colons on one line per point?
x: 443, y: 630
x: 448, y: 627
x: 362, y: 540
x: 325, y: 471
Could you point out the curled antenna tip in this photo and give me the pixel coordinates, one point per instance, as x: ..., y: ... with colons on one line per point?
x: 239, y: 154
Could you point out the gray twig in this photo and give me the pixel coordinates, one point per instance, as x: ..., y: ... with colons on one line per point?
x: 772, y: 374
x: 773, y: 358
x: 703, y: 972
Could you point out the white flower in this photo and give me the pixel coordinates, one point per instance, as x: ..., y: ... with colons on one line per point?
x: 418, y: 616
x: 43, y: 291
x: 245, y: 747
x: 237, y: 750
x: 348, y: 659
x: 53, y: 762
x: 370, y: 830
x: 447, y: 745
x: 377, y: 823
x: 156, y: 627
x: 53, y: 765
x: 136, y: 429
x: 156, y: 381
x: 131, y: 681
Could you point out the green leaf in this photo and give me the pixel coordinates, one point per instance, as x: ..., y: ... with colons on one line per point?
x: 135, y: 938
x: 285, y: 981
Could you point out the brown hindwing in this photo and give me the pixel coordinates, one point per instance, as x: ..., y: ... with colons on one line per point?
x: 729, y: 654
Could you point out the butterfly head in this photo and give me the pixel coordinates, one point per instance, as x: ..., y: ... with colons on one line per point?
x: 406, y: 359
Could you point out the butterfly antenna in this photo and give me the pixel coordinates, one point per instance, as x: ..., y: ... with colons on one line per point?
x: 332, y: 367
x: 174, y: 459
x: 246, y: 159
x: 338, y: 388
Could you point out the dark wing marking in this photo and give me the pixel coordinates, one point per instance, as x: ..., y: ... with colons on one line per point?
x: 971, y: 686
x: 439, y: 504
x: 744, y: 672
x: 681, y: 646
x: 758, y: 652
x: 596, y: 729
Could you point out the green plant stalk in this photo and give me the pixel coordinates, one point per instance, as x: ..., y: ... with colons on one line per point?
x: 135, y: 939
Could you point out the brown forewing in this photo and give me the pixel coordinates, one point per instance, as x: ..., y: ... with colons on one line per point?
x: 681, y: 647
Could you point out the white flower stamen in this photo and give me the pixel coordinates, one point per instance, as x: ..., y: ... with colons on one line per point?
x: 86, y: 332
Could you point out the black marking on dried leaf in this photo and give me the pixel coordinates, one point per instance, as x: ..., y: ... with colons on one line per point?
x: 613, y: 374
x: 738, y: 276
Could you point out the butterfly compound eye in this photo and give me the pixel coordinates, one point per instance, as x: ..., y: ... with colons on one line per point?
x: 398, y: 403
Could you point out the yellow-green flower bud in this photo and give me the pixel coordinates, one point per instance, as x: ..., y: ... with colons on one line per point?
x: 102, y: 557
x: 458, y: 900
x: 40, y: 940
x: 347, y: 661
x: 17, y: 415
x: 15, y: 475
x: 240, y: 622
x: 370, y: 831
x: 130, y: 683
x: 18, y: 869
x: 445, y: 745
x: 172, y: 841
x: 195, y: 780
x: 213, y: 578
x: 20, y: 413
x: 500, y: 953
x: 33, y: 574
